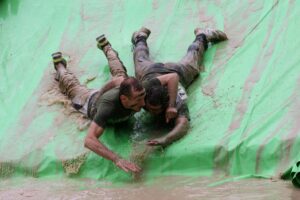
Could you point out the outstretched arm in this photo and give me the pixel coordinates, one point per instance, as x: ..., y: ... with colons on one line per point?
x: 171, y: 81
x: 180, y: 129
x: 91, y: 142
x: 111, y: 84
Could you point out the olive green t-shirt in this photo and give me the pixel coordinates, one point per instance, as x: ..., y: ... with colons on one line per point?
x: 109, y: 109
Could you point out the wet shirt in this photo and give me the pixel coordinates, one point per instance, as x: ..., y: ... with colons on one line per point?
x: 108, y: 109
x: 181, y: 98
x: 158, y: 69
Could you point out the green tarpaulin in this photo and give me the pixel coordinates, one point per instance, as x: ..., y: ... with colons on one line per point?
x: 244, y: 107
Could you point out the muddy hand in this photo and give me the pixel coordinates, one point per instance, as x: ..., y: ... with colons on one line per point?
x: 156, y: 142
x: 127, y: 166
x: 171, y: 113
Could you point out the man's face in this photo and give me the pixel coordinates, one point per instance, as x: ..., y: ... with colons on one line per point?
x: 135, y: 101
x: 154, y: 110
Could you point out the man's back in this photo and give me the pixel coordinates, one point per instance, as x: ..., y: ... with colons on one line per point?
x: 107, y: 108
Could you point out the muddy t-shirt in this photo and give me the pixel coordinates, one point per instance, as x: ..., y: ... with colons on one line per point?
x: 158, y: 69
x: 110, y: 110
x: 181, y: 98
x: 151, y: 82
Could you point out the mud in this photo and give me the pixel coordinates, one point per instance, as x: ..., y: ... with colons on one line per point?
x: 54, y: 96
x: 6, y: 169
x: 72, y: 166
x: 140, y: 154
x: 166, y: 188
x: 242, y: 106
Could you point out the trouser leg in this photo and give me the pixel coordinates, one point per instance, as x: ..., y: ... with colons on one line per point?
x: 116, y: 66
x: 191, y: 62
x: 142, y: 62
x: 195, y: 52
x: 70, y: 86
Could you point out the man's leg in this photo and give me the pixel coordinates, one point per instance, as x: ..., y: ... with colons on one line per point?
x: 196, y: 50
x: 70, y: 85
x: 116, y: 66
x: 189, y: 65
x: 191, y: 62
x: 142, y: 62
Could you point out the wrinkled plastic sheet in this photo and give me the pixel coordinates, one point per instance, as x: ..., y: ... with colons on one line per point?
x: 244, y: 106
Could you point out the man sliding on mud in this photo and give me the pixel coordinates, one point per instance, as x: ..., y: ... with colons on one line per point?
x: 117, y: 101
x: 187, y: 69
x: 118, y: 104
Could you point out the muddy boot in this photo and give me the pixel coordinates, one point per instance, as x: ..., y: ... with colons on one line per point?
x: 212, y: 35
x: 58, y: 59
x: 139, y: 35
x: 102, y: 42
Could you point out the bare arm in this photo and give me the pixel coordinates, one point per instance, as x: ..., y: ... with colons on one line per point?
x: 180, y: 129
x: 171, y: 80
x: 91, y: 142
x: 111, y: 84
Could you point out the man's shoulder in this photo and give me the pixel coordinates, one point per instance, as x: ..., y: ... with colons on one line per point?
x: 108, y: 101
x: 110, y: 95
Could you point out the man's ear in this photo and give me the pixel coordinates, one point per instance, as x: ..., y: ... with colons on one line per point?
x: 123, y: 98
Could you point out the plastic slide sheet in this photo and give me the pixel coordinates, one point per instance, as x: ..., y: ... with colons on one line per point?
x: 244, y: 106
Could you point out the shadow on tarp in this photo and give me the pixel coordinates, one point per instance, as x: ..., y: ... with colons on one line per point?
x: 294, y: 174
x: 9, y: 7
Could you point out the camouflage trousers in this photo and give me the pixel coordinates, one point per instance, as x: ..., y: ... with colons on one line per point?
x: 189, y: 65
x: 79, y: 94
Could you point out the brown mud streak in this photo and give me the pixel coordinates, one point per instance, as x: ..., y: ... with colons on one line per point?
x: 235, y: 32
x: 26, y: 119
x: 241, y: 107
x: 51, y: 96
x: 236, y: 39
x: 72, y: 166
x: 266, y: 140
x: 155, y: 4
x: 264, y: 118
x: 30, y: 112
x: 7, y: 169
x: 44, y: 38
x: 76, y: 50
x: 272, y: 46
x: 289, y: 139
x: 203, y: 16
x: 283, y: 121
x: 20, y: 131
x: 250, y: 82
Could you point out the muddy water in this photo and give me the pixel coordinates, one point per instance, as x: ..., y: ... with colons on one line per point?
x: 167, y: 188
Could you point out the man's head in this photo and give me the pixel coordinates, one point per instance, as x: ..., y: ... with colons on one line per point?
x: 156, y: 100
x: 132, y: 94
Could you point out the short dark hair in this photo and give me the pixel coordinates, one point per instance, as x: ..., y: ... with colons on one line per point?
x: 157, y: 96
x: 128, y: 85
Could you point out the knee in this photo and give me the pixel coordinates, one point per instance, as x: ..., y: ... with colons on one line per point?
x: 121, y: 74
x: 141, y: 53
x: 193, y: 47
x: 141, y: 48
x: 112, y: 57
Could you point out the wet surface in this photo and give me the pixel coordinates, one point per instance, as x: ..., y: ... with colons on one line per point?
x: 166, y: 188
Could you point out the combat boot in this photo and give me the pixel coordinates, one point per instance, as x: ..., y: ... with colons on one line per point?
x: 58, y: 59
x: 102, y: 41
x: 139, y: 35
x: 212, y: 35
